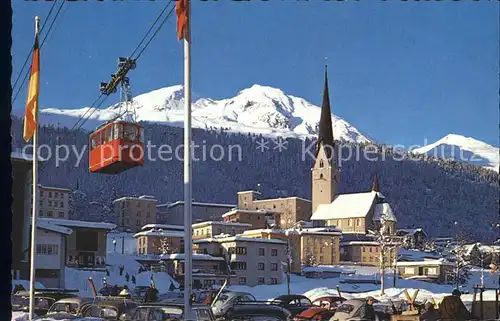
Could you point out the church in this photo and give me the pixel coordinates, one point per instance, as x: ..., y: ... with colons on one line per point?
x: 356, y: 214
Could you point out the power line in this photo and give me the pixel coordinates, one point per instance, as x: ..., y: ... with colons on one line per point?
x: 41, y: 45
x: 31, y: 50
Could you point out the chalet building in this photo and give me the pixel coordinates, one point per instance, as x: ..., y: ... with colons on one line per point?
x: 50, y: 253
x: 291, y: 209
x: 173, y: 213
x: 258, y: 219
x: 86, y: 245
x: 53, y: 202
x: 436, y: 271
x: 212, y: 228
x: 365, y: 250
x: 254, y: 261
x: 415, y: 237
x: 308, y: 246
x: 156, y: 239
x: 134, y: 212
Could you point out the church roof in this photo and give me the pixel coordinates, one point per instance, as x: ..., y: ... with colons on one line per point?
x: 325, y: 131
x: 346, y: 206
x: 375, y: 185
x: 354, y: 205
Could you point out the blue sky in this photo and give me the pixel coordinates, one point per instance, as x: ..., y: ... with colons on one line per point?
x: 400, y: 72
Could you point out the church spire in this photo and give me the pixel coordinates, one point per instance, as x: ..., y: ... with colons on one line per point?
x: 375, y: 185
x: 325, y: 131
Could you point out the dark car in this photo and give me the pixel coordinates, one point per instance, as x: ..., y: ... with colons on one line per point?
x: 44, y: 298
x: 67, y: 308
x: 294, y: 303
x: 110, y: 309
x: 257, y: 311
x: 170, y: 311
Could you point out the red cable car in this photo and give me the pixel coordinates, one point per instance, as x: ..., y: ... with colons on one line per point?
x: 116, y: 147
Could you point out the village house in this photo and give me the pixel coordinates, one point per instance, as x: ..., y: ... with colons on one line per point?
x: 86, y: 245
x: 291, y: 209
x: 156, y: 239
x: 254, y: 261
x: 307, y: 246
x: 414, y: 238
x: 432, y: 270
x: 174, y: 212
x: 258, y: 219
x: 53, y: 202
x: 50, y: 254
x: 365, y: 250
x: 134, y: 212
x: 212, y: 228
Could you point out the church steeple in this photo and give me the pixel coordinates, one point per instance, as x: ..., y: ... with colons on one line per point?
x: 325, y: 130
x: 375, y: 185
x: 325, y: 174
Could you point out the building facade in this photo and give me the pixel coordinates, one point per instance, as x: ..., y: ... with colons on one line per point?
x: 156, y: 239
x: 53, y: 202
x: 258, y: 219
x: 212, y: 228
x: 437, y: 271
x: 291, y: 209
x: 134, y: 212
x: 254, y: 261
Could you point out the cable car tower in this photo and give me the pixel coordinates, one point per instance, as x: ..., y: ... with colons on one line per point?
x: 126, y: 110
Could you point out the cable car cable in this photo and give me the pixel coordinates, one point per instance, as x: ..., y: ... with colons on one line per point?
x: 41, y: 45
x: 31, y: 50
x: 140, y: 53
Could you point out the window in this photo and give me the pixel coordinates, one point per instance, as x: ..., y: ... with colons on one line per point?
x: 242, y: 280
x: 274, y: 252
x: 260, y: 281
x: 50, y: 214
x: 261, y: 266
x: 40, y: 212
x: 364, y: 249
x: 61, y: 214
x: 409, y: 270
x: 371, y: 258
x: 47, y: 249
x: 139, y: 214
x: 274, y: 266
x: 41, y: 193
x: 50, y: 194
x: 432, y: 270
x: 129, y: 132
x: 50, y: 203
x: 61, y: 204
x: 370, y: 249
x: 235, y: 265
x: 262, y: 251
x: 241, y: 250
x: 338, y: 223
x: 273, y: 281
x: 148, y: 214
x: 349, y: 223
x: 321, y: 164
x: 358, y: 222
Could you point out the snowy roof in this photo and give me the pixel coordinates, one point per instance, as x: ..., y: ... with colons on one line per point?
x: 425, y: 262
x: 374, y: 243
x: 384, y: 211
x: 168, y: 205
x: 200, y: 224
x: 158, y: 233
x: 85, y: 224
x: 142, y: 198
x: 410, y: 231
x: 195, y: 256
x: 238, y: 239
x: 262, y: 211
x: 282, y: 198
x: 163, y: 227
x: 47, y: 225
x: 346, y: 206
x: 322, y: 268
x: 62, y: 189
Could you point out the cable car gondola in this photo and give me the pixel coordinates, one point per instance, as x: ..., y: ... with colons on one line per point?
x: 116, y: 147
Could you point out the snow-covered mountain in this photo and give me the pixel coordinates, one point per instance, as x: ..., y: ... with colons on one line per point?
x: 258, y: 109
x: 466, y: 149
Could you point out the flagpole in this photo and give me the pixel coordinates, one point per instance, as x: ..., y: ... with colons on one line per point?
x: 35, y: 203
x: 188, y: 237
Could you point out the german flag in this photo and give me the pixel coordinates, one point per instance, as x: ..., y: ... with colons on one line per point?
x: 31, y: 116
x: 181, y: 9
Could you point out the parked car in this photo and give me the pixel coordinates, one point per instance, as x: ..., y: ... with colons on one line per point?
x: 110, y: 309
x: 170, y: 311
x: 44, y: 298
x: 349, y: 310
x: 330, y: 302
x: 67, y: 308
x: 294, y: 303
x: 257, y: 311
x: 227, y: 300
